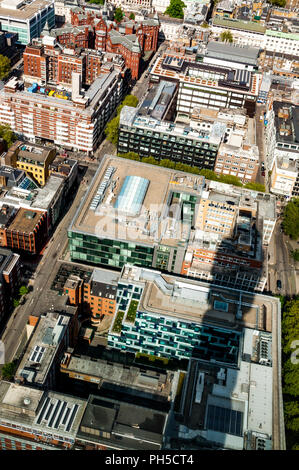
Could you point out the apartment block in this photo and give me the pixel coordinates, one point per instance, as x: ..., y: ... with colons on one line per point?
x: 207, y: 85
x: 34, y: 419
x: 119, y: 381
x: 52, y: 335
x: 26, y: 18
x: 33, y: 159
x: 10, y: 278
x: 46, y: 61
x: 282, y: 144
x: 238, y: 158
x: 147, y: 131
x: 96, y: 294
x: 76, y: 122
x: 159, y: 222
x: 178, y: 318
x: 127, y: 426
x: 23, y: 229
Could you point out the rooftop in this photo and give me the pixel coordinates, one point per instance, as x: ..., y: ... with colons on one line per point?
x: 58, y: 413
x: 98, y: 216
x: 125, y: 378
x: 22, y: 10
x: 42, y: 348
x: 139, y: 427
x: 25, y: 220
x: 232, y: 52
x: 194, y: 301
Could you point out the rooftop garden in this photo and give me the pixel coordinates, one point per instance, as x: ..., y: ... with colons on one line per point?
x: 118, y: 322
x: 131, y: 315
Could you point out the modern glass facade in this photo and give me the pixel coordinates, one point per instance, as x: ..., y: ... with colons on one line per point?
x: 27, y: 29
x: 166, y: 336
x: 93, y: 250
x: 160, y: 145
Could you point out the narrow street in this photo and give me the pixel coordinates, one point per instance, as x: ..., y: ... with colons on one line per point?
x: 281, y: 266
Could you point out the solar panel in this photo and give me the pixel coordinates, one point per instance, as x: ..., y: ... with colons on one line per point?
x: 50, y: 424
x: 225, y: 420
x: 60, y: 415
x: 66, y: 415
x: 49, y: 411
x: 74, y: 412
x: 43, y: 410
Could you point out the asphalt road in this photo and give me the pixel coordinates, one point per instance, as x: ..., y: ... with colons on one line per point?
x: 12, y: 335
x: 281, y: 266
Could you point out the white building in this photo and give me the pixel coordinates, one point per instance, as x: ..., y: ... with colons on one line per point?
x: 26, y: 18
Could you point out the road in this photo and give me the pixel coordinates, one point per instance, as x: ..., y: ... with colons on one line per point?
x: 12, y: 335
x: 280, y: 265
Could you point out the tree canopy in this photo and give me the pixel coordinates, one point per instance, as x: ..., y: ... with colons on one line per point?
x: 112, y: 128
x: 132, y: 16
x: 7, y: 134
x: 118, y: 15
x: 290, y: 223
x: 278, y: 3
x: 290, y: 371
x: 175, y: 9
x: 4, y: 66
x: 8, y: 370
x: 226, y: 36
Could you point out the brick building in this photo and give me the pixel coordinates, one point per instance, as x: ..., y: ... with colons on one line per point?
x: 9, y: 279
x: 45, y: 61
x: 74, y: 119
x: 23, y: 229
x: 98, y: 294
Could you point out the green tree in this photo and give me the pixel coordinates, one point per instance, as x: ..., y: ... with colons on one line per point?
x: 226, y: 36
x: 112, y: 129
x: 150, y: 160
x: 118, y: 15
x: 278, y: 3
x: 4, y: 66
x: 132, y: 16
x: 8, y: 370
x: 295, y: 255
x: 16, y: 303
x: 23, y: 290
x: 256, y: 187
x: 130, y: 100
x: 130, y: 156
x: 98, y: 2
x: 7, y: 134
x: 230, y: 179
x: 175, y: 9
x: 290, y: 223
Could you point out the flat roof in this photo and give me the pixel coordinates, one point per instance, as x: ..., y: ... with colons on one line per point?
x: 100, y: 219
x: 25, y: 220
x: 26, y: 11
x: 194, y: 301
x: 227, y: 51
x: 48, y: 411
x: 157, y: 383
x: 42, y: 348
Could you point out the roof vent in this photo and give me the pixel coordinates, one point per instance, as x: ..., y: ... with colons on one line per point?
x: 27, y: 401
